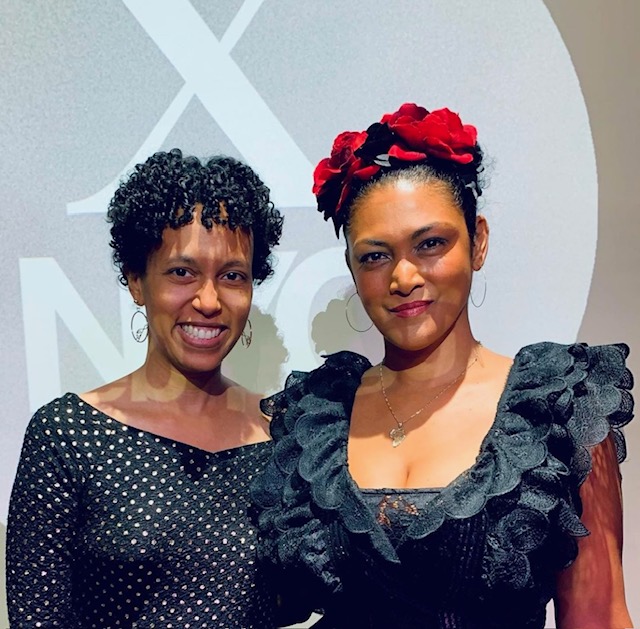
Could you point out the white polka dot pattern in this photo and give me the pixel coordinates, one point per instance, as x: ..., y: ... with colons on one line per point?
x: 110, y: 526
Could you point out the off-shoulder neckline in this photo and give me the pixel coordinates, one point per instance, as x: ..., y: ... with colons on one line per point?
x: 127, y: 428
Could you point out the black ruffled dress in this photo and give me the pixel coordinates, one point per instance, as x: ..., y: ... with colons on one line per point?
x: 481, y: 553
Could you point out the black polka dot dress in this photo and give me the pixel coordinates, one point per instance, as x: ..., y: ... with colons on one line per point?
x: 111, y: 526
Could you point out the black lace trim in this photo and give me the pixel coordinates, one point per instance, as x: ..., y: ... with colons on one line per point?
x: 558, y: 402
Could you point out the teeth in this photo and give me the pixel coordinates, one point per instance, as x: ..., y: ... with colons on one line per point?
x: 201, y: 333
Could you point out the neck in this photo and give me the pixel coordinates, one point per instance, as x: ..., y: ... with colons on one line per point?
x: 437, y: 363
x: 158, y: 381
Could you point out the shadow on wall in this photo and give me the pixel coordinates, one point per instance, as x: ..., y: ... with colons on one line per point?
x: 344, y: 325
x: 258, y: 367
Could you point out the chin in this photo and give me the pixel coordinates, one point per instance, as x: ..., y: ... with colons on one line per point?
x: 417, y: 340
x: 411, y: 337
x: 193, y: 371
x: 202, y: 366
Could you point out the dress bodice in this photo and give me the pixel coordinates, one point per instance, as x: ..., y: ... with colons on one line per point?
x: 485, y: 550
x: 112, y: 526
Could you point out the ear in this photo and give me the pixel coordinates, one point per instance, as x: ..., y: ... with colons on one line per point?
x: 480, y: 243
x: 134, y: 283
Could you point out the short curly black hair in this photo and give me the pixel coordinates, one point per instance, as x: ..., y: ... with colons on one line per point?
x: 163, y: 191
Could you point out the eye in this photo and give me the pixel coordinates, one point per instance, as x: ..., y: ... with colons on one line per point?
x: 180, y: 272
x: 372, y: 257
x: 431, y: 243
x: 234, y: 276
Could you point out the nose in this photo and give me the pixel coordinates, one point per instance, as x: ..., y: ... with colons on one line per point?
x: 207, y: 300
x: 405, y: 278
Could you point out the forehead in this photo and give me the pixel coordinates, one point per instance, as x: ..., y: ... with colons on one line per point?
x: 403, y: 205
x: 194, y: 240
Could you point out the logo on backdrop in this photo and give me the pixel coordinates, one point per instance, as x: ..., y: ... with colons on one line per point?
x: 299, y: 306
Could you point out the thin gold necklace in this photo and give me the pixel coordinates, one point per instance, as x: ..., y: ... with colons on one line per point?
x: 398, y: 434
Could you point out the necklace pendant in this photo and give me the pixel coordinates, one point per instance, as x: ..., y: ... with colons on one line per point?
x: 397, y: 435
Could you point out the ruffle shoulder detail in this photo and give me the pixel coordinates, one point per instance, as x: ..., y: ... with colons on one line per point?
x: 560, y: 401
x: 306, y: 488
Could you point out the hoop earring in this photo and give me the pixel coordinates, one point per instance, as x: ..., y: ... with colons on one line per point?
x: 247, y: 337
x: 484, y: 290
x: 140, y: 333
x: 346, y: 314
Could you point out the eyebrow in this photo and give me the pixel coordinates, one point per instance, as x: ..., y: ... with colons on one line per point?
x: 182, y: 260
x: 188, y: 260
x: 416, y: 234
x: 237, y: 263
x: 424, y: 230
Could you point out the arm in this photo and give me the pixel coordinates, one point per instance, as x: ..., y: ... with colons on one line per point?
x: 41, y: 528
x: 590, y: 593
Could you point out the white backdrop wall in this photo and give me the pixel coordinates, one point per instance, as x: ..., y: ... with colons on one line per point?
x: 90, y: 88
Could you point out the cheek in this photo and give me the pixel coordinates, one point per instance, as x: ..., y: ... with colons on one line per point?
x: 372, y: 288
x: 168, y: 299
x: 453, y: 283
x: 454, y: 267
x: 453, y: 274
x: 238, y: 300
x: 166, y: 303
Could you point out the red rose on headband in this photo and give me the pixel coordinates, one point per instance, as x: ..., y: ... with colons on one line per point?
x: 439, y: 133
x: 407, y: 112
x: 410, y: 135
x: 342, y: 166
x: 340, y: 160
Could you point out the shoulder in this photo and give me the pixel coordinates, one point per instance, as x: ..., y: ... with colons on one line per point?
x: 338, y: 366
x: 560, y: 403
x: 309, y: 427
x: 582, y: 392
x: 604, y: 362
x: 57, y: 435
x: 575, y: 370
x: 67, y: 424
x: 111, y: 398
x: 335, y: 380
x: 244, y: 405
x: 307, y: 474
x: 575, y: 373
x: 241, y: 399
x: 59, y: 416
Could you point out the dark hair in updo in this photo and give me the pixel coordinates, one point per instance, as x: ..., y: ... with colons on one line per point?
x: 163, y: 191
x: 411, y: 143
x: 464, y: 182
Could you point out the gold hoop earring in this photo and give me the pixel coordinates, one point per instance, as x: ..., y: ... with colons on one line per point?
x: 346, y: 314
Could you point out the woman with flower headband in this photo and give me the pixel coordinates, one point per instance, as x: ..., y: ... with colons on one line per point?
x: 447, y: 486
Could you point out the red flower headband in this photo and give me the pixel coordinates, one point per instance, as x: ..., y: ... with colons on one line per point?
x: 409, y: 135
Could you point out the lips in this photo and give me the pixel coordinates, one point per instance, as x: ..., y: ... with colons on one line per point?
x: 411, y: 309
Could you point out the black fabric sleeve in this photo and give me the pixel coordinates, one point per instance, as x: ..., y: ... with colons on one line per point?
x: 43, y: 515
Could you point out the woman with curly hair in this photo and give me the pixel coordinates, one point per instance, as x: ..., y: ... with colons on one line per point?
x: 448, y: 486
x: 129, y: 508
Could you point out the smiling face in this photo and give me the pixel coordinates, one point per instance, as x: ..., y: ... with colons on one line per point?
x: 197, y: 290
x: 411, y: 257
